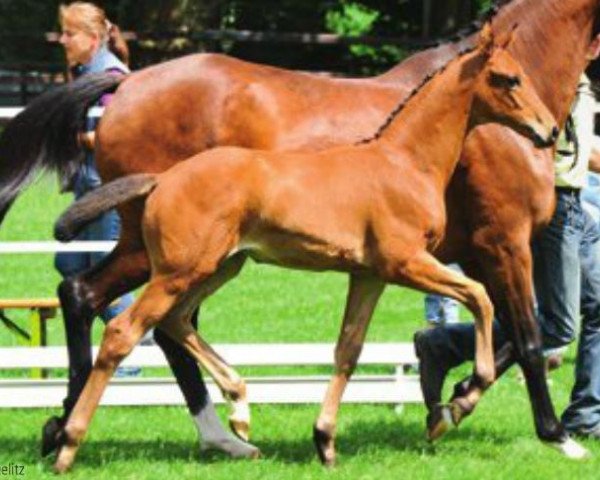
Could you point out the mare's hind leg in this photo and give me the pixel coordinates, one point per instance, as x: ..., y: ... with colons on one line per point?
x: 120, y: 336
x: 363, y: 295
x: 82, y: 297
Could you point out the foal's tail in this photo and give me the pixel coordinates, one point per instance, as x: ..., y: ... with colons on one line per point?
x: 44, y: 135
x: 101, y: 200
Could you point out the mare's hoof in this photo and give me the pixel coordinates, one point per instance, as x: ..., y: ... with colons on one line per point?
x: 570, y: 449
x: 52, y: 435
x: 240, y: 428
x: 440, y: 420
x: 233, y: 447
x: 325, y: 446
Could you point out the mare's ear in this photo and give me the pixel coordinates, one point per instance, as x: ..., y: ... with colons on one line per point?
x: 486, y: 38
x: 504, y: 40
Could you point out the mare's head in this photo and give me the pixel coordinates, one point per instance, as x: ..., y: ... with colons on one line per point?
x: 504, y: 94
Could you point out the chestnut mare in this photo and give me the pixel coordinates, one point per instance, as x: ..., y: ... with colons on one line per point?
x: 169, y: 112
x: 374, y: 210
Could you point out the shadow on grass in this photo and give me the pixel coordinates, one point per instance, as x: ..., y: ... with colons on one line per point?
x: 357, y: 438
x: 351, y: 441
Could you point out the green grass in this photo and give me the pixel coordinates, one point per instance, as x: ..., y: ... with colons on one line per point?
x: 271, y: 305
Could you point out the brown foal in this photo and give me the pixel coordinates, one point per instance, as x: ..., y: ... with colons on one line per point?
x: 375, y: 210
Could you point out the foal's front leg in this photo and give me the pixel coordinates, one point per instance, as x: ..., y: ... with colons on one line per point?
x: 363, y: 294
x: 424, y: 272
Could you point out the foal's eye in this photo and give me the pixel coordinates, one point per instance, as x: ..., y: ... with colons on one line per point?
x: 505, y: 81
x: 513, y: 82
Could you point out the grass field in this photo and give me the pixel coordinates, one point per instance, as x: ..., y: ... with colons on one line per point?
x: 271, y: 305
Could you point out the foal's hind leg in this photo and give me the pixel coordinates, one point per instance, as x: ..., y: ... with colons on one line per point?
x: 232, y: 386
x: 229, y: 381
x: 363, y: 295
x: 120, y: 336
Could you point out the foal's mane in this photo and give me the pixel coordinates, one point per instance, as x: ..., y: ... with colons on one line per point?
x: 396, y: 111
x: 474, y: 27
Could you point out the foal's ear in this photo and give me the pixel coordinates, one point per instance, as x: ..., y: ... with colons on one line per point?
x: 507, y: 38
x: 486, y: 38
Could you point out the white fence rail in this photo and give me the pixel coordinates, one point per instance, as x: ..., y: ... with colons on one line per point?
x: 7, y: 113
x: 19, y: 248
x: 395, y: 387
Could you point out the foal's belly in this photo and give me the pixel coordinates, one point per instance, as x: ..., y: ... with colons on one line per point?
x: 299, y: 252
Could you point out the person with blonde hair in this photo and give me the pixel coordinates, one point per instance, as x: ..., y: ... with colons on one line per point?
x: 93, y: 44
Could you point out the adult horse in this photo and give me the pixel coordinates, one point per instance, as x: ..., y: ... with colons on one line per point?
x: 166, y: 113
x: 381, y: 211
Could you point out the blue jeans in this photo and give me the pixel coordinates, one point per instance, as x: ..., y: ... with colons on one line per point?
x: 440, y: 310
x: 106, y: 227
x: 567, y: 281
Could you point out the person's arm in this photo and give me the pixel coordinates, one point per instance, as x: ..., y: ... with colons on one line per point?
x: 595, y: 160
x: 87, y: 140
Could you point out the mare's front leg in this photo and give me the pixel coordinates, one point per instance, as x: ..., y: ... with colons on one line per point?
x: 363, y: 294
x: 506, y: 269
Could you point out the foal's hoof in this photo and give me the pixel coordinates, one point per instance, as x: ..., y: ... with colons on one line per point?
x: 67, y: 450
x: 570, y: 449
x: 325, y: 446
x: 441, y: 419
x: 241, y: 429
x: 64, y: 461
x: 52, y: 435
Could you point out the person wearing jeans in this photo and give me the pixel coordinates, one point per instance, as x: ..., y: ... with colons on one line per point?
x: 567, y: 282
x: 86, y: 40
x: 92, y: 44
x: 440, y: 310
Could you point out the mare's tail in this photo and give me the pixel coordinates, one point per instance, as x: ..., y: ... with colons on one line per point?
x: 100, y: 200
x: 44, y: 135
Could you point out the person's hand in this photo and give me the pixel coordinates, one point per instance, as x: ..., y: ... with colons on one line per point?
x: 86, y: 140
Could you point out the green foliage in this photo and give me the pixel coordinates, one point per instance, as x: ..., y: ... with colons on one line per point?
x: 483, y: 5
x: 396, y: 18
x: 352, y: 19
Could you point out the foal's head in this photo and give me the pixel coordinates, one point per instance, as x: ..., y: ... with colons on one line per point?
x: 504, y: 94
